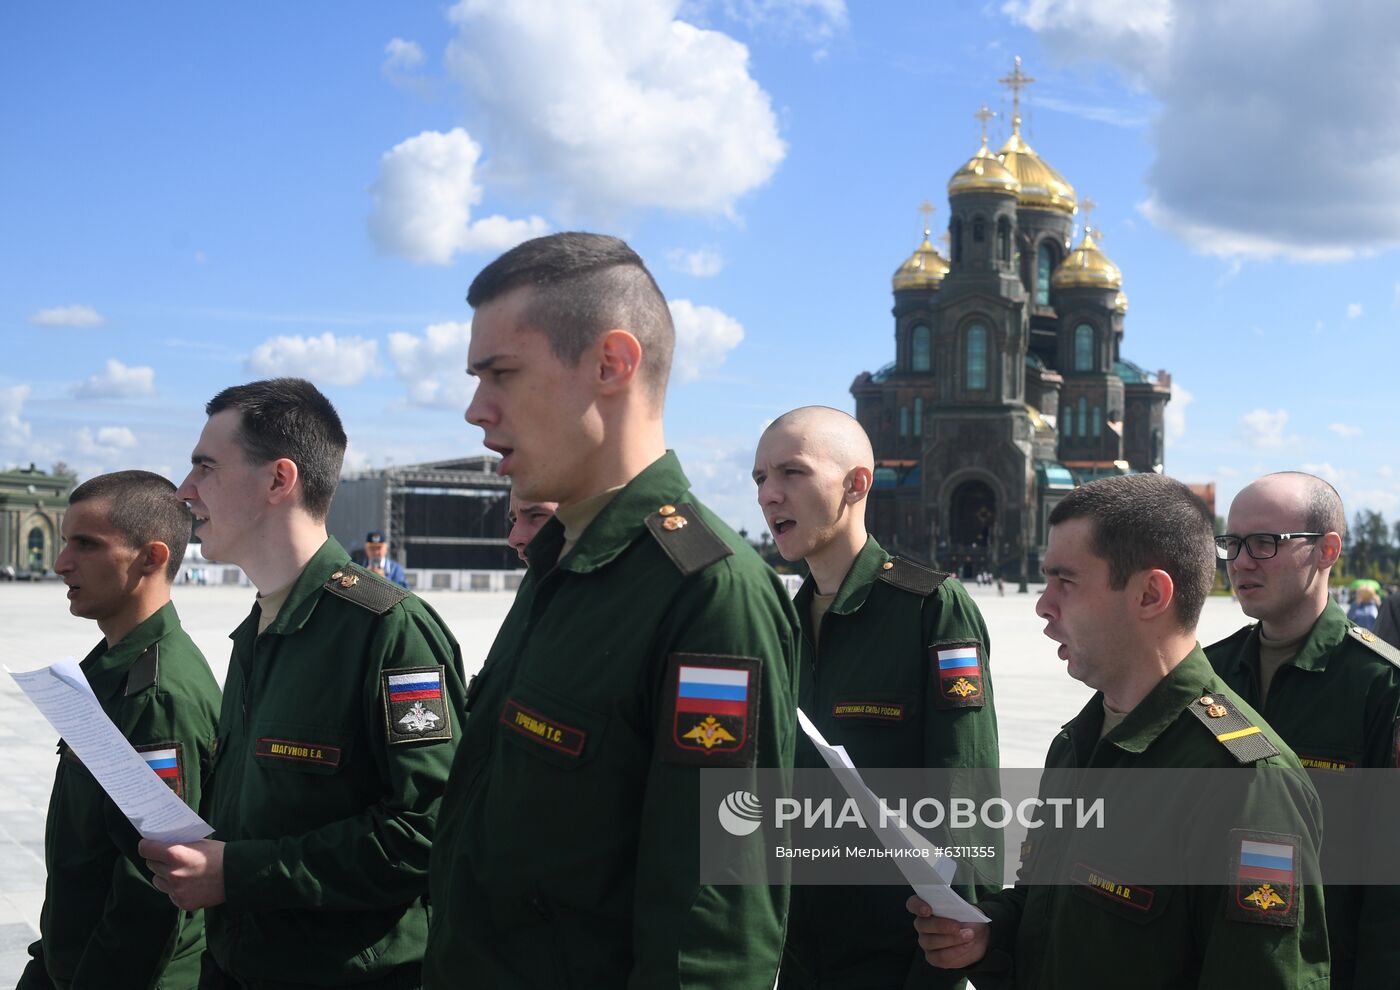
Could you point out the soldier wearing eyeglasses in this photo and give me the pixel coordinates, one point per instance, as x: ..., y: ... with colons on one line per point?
x: 1330, y: 688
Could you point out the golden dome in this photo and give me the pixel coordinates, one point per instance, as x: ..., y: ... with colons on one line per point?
x: 924, y: 269
x: 1041, y: 187
x: 1087, y: 267
x: 983, y: 173
x: 1120, y: 302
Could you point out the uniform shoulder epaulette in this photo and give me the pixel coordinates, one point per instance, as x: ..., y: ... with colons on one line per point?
x: 144, y: 672
x: 1375, y: 644
x: 369, y: 591
x: 909, y: 576
x: 688, y: 541
x: 1233, y: 729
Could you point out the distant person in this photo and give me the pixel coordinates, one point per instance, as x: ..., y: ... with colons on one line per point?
x: 1388, y: 619
x: 103, y: 924
x: 341, y: 713
x: 1330, y: 687
x: 1366, y: 609
x: 378, y: 561
x: 647, y: 642
x: 1129, y: 564
x: 526, y: 519
x: 895, y: 667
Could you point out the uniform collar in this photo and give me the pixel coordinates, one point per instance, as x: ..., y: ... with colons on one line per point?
x: 1163, y: 704
x: 855, y: 586
x: 106, y: 669
x: 662, y: 482
x: 301, y: 600
x: 1317, y: 646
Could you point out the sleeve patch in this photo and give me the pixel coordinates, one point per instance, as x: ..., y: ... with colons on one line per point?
x: 1263, y: 878
x: 957, y: 672
x: 164, y: 760
x: 710, y: 710
x: 415, y: 705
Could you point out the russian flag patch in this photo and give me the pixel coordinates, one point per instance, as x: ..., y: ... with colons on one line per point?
x: 713, y: 710
x: 164, y: 761
x: 957, y: 672
x: 1264, y: 878
x: 415, y: 707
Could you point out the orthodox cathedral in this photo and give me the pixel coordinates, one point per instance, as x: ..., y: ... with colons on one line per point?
x: 1007, y: 387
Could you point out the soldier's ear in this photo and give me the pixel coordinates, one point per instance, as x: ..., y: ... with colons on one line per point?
x: 619, y: 358
x: 857, y: 484
x: 153, y: 558
x: 1329, y: 549
x: 1153, y: 592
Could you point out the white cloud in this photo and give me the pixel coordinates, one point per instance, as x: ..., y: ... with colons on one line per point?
x: 702, y: 262
x: 1263, y: 429
x: 1327, y: 472
x: 1296, y: 88
x: 105, y: 444
x: 1382, y: 500
x: 14, y: 431
x: 814, y: 21
x: 402, y: 56
x: 1345, y: 429
x: 704, y: 338
x: 433, y: 366
x: 117, y: 381
x: 1174, y: 417
x: 326, y: 359
x: 67, y: 316
x: 1385, y: 471
x: 614, y: 106
x: 1354, y: 311
x: 423, y: 200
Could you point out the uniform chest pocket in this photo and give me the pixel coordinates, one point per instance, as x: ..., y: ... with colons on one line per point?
x: 1132, y: 902
x: 545, y: 726
x: 282, y: 746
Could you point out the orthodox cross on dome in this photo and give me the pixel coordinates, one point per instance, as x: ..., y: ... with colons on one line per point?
x: 983, y: 115
x: 1017, y: 81
x: 1087, y: 207
x: 926, y: 208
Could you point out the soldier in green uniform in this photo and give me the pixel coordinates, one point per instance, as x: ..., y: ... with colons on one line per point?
x: 1330, y: 688
x: 340, y: 716
x: 103, y: 924
x: 646, y: 643
x: 526, y: 519
x: 1129, y: 564
x: 894, y: 668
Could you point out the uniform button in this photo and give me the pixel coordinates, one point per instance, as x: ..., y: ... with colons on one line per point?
x: 337, y: 575
x: 1207, y: 700
x: 667, y: 510
x: 887, y: 565
x: 675, y: 522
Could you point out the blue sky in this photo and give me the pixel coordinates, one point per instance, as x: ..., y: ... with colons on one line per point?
x: 199, y: 195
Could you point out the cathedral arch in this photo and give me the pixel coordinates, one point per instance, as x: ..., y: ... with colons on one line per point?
x: 920, y: 349
x: 1004, y: 241
x: 1044, y: 267
x: 975, y: 358
x: 1084, y: 347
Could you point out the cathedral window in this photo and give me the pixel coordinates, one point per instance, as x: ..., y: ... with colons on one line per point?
x: 976, y: 357
x: 1083, y: 347
x: 1044, y: 263
x: 1083, y: 414
x: 1067, y: 427
x: 918, y: 417
x: 955, y: 229
x: 1004, y: 241
x: 919, y: 347
x: 979, y: 230
x: 903, y: 421
x: 1098, y: 422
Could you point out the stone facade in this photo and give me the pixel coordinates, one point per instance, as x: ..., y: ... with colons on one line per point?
x: 32, y: 503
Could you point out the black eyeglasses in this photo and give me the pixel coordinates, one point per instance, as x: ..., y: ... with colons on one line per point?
x: 1260, y: 546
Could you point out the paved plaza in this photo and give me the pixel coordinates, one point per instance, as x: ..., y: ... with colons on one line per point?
x: 1034, y: 698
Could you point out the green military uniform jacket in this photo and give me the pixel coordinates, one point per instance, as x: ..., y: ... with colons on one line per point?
x: 1081, y: 936
x: 568, y: 853
x: 873, y: 684
x: 1336, y: 704
x: 103, y: 924
x: 337, y: 732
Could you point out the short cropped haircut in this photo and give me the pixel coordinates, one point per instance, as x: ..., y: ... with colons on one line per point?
x: 289, y: 417
x: 583, y: 285
x: 1144, y: 522
x: 142, y: 507
x: 1322, y: 506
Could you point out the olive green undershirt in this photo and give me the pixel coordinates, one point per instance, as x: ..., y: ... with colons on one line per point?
x: 1111, y: 719
x: 1273, y: 654
x: 820, y: 603
x: 270, y: 604
x: 576, y: 518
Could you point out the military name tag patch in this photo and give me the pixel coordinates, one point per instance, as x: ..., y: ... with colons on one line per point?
x: 542, y: 729
x: 164, y: 760
x: 1324, y: 763
x: 713, y: 710
x: 958, y: 667
x: 293, y: 751
x: 884, y: 710
x: 1264, y: 888
x: 415, y: 706
x: 1126, y: 894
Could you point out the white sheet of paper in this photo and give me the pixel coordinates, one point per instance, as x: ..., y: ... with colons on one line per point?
x: 930, y: 877
x: 64, y: 697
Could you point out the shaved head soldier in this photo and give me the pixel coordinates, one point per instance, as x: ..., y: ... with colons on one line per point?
x: 103, y: 924
x: 526, y: 519
x: 1330, y: 688
x: 894, y: 667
